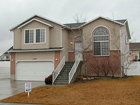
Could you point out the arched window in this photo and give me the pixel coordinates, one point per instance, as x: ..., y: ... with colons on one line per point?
x: 101, y: 41
x: 79, y: 38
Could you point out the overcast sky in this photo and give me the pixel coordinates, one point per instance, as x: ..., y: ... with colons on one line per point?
x: 13, y: 12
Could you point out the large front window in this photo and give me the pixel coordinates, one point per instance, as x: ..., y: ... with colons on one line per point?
x: 35, y: 36
x: 101, y: 41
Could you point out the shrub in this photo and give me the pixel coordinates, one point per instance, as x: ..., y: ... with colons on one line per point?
x: 48, y: 80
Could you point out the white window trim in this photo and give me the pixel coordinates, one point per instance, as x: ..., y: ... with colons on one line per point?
x: 34, y: 20
x: 34, y: 36
x: 101, y: 41
x: 101, y: 50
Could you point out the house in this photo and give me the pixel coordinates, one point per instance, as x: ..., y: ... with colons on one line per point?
x: 134, y: 51
x: 6, y: 56
x: 43, y: 47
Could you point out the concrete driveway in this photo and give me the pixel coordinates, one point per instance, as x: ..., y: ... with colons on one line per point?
x: 10, y: 88
x: 134, y: 69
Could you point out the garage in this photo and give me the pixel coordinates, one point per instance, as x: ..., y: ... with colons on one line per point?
x: 33, y: 70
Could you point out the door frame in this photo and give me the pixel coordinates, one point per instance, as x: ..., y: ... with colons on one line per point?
x: 74, y: 48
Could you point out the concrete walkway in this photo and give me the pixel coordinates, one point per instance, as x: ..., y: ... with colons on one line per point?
x: 10, y: 88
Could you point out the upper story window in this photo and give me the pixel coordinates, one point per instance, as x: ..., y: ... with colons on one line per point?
x: 29, y: 36
x: 35, y: 36
x: 101, y: 41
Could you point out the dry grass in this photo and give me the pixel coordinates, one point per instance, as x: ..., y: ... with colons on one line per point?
x: 100, y: 92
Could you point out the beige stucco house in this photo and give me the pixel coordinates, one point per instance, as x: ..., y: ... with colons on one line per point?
x: 42, y: 47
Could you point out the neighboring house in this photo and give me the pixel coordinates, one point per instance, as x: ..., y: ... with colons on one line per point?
x: 134, y: 51
x: 42, y: 46
x: 6, y: 56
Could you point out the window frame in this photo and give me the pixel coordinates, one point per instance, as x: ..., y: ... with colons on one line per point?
x: 100, y: 41
x: 34, y: 41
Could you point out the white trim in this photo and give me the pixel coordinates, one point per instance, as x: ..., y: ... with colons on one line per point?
x: 36, y: 50
x: 61, y: 37
x: 43, y: 60
x: 34, y: 20
x: 39, y: 17
x: 35, y: 36
x: 103, y: 18
x: 120, y: 52
x: 109, y: 41
x: 125, y: 21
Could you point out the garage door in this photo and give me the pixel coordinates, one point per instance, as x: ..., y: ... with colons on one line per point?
x: 33, y: 70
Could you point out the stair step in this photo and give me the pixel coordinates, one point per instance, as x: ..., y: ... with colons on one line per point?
x: 64, y: 72
x: 66, y: 79
x: 63, y: 77
x: 61, y: 82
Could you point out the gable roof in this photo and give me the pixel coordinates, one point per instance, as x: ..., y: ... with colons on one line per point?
x: 34, y: 20
x: 117, y: 22
x: 34, y: 17
x: 134, y: 46
x: 7, y: 52
x: 122, y: 21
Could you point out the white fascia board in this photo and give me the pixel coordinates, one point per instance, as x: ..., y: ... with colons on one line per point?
x: 103, y: 18
x: 37, y: 16
x: 35, y: 50
x: 34, y: 20
x: 125, y: 22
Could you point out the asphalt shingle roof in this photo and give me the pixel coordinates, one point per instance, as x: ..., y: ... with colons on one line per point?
x: 121, y: 21
x: 74, y: 25
x: 134, y: 46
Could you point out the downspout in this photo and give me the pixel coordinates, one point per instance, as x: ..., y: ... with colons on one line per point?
x: 121, y: 75
x: 61, y: 38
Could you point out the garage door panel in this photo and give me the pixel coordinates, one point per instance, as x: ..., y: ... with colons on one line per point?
x: 37, y: 71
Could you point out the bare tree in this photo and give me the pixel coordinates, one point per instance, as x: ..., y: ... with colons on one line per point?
x: 105, y: 66
x: 121, y: 43
x: 86, y: 43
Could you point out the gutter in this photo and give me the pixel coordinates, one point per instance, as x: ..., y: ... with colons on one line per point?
x: 35, y: 50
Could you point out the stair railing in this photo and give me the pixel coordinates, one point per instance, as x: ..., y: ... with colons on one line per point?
x: 74, y: 68
x: 58, y: 69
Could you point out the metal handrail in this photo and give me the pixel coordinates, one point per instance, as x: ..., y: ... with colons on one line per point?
x: 58, y: 69
x: 74, y: 68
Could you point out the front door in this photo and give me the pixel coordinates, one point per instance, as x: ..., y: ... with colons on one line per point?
x: 78, y: 50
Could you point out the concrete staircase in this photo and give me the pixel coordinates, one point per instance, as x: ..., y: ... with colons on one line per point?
x: 63, y: 77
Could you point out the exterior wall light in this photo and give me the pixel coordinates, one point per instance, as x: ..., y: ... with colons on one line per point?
x: 71, y: 42
x: 56, y: 59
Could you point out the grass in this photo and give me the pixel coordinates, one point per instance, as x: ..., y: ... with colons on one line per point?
x: 125, y: 91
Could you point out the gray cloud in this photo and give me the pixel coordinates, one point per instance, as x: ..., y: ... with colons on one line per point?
x: 13, y: 12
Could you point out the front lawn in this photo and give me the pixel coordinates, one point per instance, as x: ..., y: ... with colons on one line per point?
x: 125, y: 91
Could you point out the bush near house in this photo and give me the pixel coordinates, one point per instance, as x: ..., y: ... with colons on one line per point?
x: 48, y: 80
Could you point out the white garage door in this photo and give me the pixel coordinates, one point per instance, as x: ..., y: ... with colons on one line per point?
x: 33, y: 70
